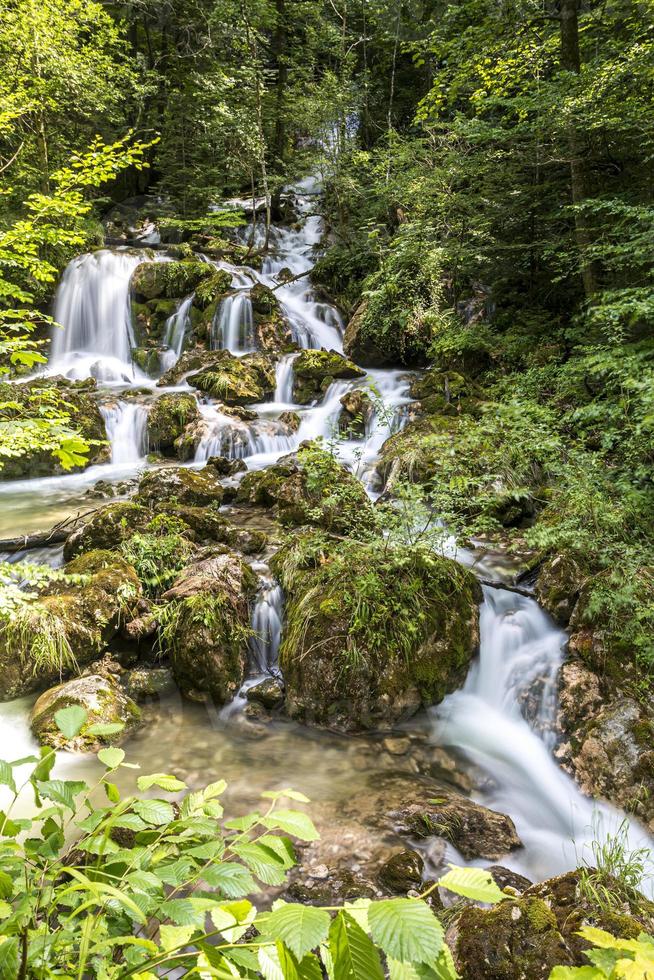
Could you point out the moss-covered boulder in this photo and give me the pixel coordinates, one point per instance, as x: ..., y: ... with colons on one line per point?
x: 558, y: 586
x: 168, y: 418
x: 271, y: 329
x: 236, y: 380
x: 445, y: 392
x: 50, y: 637
x: 105, y: 703
x: 148, y: 683
x: 416, y: 452
x: 206, y: 626
x: 168, y: 280
x: 50, y: 396
x: 206, y: 303
x: 149, y: 319
x: 176, y: 485
x: 356, y: 414
x: 315, y: 370
x: 107, y: 528
x: 473, y: 829
x: 374, y: 344
x: 372, y: 632
x: 524, y: 938
x: 311, y: 487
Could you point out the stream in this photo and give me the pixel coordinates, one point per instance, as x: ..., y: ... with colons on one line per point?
x: 477, y: 741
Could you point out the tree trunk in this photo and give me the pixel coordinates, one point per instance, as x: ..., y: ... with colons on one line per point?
x: 579, y: 176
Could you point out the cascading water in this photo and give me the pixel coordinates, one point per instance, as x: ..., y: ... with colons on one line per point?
x: 126, y: 424
x: 175, y: 333
x: 233, y: 327
x: 284, y: 379
x: 519, y: 647
x: 92, y: 305
x: 266, y: 622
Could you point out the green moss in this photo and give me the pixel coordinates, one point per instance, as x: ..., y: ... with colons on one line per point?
x: 168, y: 418
x: 236, y: 380
x: 108, y: 527
x: 168, y: 280
x: 212, y: 288
x: 177, y: 485
x: 314, y: 371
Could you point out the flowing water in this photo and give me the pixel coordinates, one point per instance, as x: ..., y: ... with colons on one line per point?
x: 498, y: 730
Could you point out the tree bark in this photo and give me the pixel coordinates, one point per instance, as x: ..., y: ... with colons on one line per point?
x: 579, y: 175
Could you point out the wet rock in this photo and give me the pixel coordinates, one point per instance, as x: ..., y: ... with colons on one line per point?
x: 236, y: 380
x: 168, y: 280
x: 271, y: 329
x: 43, y: 395
x: 558, y: 586
x: 54, y: 635
x: 168, y: 419
x: 311, y: 487
x: 505, y: 878
x: 291, y: 419
x: 357, y: 411
x: 206, y: 626
x: 268, y: 692
x: 226, y: 467
x: 397, y: 746
x: 416, y: 452
x: 350, y: 670
x: 140, y: 629
x: 105, y: 704
x: 315, y: 370
x: 473, y: 829
x: 192, y: 488
x: 402, y: 873
x: 146, y: 683
x: 107, y: 529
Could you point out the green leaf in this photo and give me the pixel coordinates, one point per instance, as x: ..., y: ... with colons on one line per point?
x: 156, y: 812
x: 233, y: 919
x: 62, y: 791
x: 353, y: 953
x: 300, y: 927
x: 576, y: 973
x: 474, y: 883
x: 308, y: 968
x: 170, y: 783
x: 173, y: 936
x: 69, y: 720
x: 292, y: 822
x: 111, y: 757
x: 290, y: 794
x: 233, y: 880
x: 7, y: 775
x: 9, y: 958
x: 105, y: 728
x: 268, y: 866
x: 406, y: 929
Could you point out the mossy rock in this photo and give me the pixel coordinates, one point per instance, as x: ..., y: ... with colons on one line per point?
x: 357, y: 412
x: 271, y: 329
x: 168, y: 280
x: 236, y: 380
x: 107, y: 529
x: 206, y: 627
x: 315, y: 370
x: 149, y: 320
x: 475, y: 830
x: 366, y: 343
x: 149, y: 683
x: 445, y: 392
x: 105, y: 703
x: 147, y: 359
x: 558, y: 586
x: 70, y: 625
x: 168, y: 418
x: 39, y: 396
x: 372, y: 632
x: 311, y: 487
x: 193, y: 488
x: 212, y: 288
x: 416, y: 451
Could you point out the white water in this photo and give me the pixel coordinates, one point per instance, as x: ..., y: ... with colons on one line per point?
x: 266, y: 623
x: 92, y: 304
x: 284, y: 379
x: 126, y: 424
x: 175, y: 333
x: 520, y: 646
x: 233, y: 327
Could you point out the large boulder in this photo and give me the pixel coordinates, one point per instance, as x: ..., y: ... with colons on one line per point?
x: 315, y: 370
x: 558, y: 586
x: 372, y: 632
x: 168, y: 419
x: 368, y: 343
x: 356, y: 413
x: 206, y: 626
x: 523, y: 938
x: 311, y: 487
x: 168, y: 280
x: 107, y: 528
x: 236, y: 380
x: 271, y: 329
x: 33, y: 399
x: 105, y: 703
x: 444, y: 392
x: 50, y: 637
x: 176, y: 485
x: 206, y: 303
x: 473, y: 829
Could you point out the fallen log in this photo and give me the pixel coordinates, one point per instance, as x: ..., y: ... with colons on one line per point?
x: 44, y: 539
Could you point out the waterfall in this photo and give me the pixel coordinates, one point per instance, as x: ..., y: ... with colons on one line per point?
x: 284, y: 379
x: 227, y: 436
x: 233, y: 327
x: 126, y: 424
x: 92, y: 304
x: 175, y: 333
x: 266, y: 622
x: 520, y: 646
